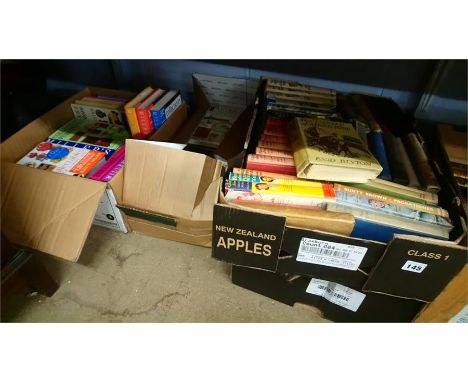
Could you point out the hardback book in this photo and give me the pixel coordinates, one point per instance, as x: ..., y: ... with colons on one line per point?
x: 274, y: 153
x: 272, y: 127
x: 164, y: 107
x: 380, y: 205
x: 267, y: 144
x: 329, y: 150
x: 406, y: 163
x: 91, y: 132
x: 426, y: 176
x: 396, y: 190
x: 430, y: 209
x: 233, y: 177
x: 381, y: 227
x: 274, y: 139
x: 99, y: 114
x: 377, y: 147
x: 364, y: 111
x: 454, y: 142
x: 247, y: 172
x: 269, y: 163
x: 63, y: 159
x: 395, y: 160
x: 143, y: 112
x: 112, y: 166
x: 130, y: 110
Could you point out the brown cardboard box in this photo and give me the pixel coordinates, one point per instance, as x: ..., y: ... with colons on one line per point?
x: 52, y: 212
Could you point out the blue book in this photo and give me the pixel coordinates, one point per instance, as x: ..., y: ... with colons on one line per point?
x: 377, y: 147
x: 163, y: 109
x: 109, y: 152
x: 382, y: 227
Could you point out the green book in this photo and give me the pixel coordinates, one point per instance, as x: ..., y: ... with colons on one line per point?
x: 92, y: 132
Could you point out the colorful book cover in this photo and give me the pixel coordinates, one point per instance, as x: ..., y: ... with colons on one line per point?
x: 322, y: 191
x: 130, y: 111
x: 107, y: 171
x: 63, y: 159
x: 112, y: 116
x: 166, y: 105
x: 107, y: 151
x: 377, y: 205
x: 93, y: 133
x: 274, y: 180
x: 248, y: 172
x: 143, y: 112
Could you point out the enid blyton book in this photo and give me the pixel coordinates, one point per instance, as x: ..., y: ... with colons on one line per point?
x: 329, y: 150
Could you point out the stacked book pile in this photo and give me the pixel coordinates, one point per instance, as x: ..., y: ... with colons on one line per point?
x: 289, y: 97
x: 80, y: 148
x: 362, y: 159
x: 147, y: 112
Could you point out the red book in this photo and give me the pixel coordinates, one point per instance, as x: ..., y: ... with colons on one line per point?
x: 143, y: 112
x: 271, y: 164
x: 273, y: 152
x: 276, y: 128
x: 274, y: 145
x: 275, y: 138
x: 276, y: 123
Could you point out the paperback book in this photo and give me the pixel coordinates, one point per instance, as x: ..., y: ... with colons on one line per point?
x: 99, y: 114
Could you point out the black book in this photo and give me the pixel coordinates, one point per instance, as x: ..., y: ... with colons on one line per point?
x: 397, y: 166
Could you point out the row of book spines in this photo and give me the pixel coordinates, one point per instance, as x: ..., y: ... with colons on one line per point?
x: 321, y: 190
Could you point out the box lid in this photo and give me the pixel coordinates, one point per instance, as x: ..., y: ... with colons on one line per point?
x: 170, y: 181
x: 46, y: 211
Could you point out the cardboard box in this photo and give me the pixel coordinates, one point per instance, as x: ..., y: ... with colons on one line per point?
x: 409, y: 268
x: 52, y: 212
x: 170, y: 193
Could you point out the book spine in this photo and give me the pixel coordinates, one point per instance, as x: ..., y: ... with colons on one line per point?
x: 274, y: 145
x: 381, y: 227
x: 111, y: 167
x: 276, y: 168
x: 107, y: 151
x: 284, y: 200
x: 299, y: 148
x: 274, y: 139
x: 247, y: 172
x: 161, y: 115
x: 377, y: 148
x: 274, y: 153
x: 397, y: 167
x: 321, y: 191
x: 144, y: 121
x: 132, y: 121
x: 408, y: 167
x: 362, y: 202
x: 421, y: 163
x: 274, y: 180
x: 268, y: 159
x: 392, y: 200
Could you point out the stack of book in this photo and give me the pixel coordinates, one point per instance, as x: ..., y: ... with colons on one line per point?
x: 149, y: 110
x: 273, y: 152
x: 79, y: 148
x: 288, y: 97
x: 101, y: 109
x: 213, y: 127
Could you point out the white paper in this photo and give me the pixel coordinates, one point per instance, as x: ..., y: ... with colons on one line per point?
x: 461, y: 317
x: 177, y: 146
x: 337, y: 294
x: 414, y: 266
x: 330, y: 254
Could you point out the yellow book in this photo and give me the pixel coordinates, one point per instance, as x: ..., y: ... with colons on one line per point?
x: 130, y: 110
x: 329, y: 150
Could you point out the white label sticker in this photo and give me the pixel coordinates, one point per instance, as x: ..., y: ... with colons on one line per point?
x: 413, y: 266
x: 461, y: 317
x: 330, y: 254
x: 337, y: 294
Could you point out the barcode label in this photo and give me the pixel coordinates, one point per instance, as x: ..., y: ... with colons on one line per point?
x: 413, y: 266
x: 330, y: 254
x: 337, y: 294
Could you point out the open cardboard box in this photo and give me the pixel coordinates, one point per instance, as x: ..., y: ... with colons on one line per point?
x: 52, y: 212
x: 407, y: 268
x: 169, y: 192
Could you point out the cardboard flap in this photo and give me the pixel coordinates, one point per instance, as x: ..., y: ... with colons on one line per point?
x: 170, y: 181
x: 48, y: 212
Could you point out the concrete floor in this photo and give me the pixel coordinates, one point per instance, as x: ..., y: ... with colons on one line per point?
x: 136, y: 278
